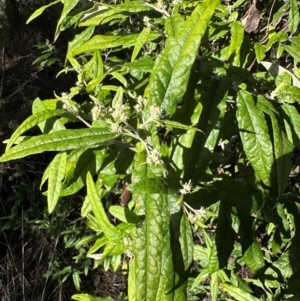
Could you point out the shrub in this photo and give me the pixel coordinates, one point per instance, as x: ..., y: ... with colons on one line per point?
x: 181, y: 100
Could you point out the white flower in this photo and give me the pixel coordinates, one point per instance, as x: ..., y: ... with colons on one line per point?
x: 65, y: 98
x: 154, y: 157
x: 186, y: 188
x: 119, y: 113
x: 160, y: 5
x: 115, y: 127
x: 141, y: 102
x: 200, y: 213
x: 176, y: 2
x: 155, y: 112
x: 96, y: 110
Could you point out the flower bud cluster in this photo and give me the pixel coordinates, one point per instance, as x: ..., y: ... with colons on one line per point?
x: 67, y: 105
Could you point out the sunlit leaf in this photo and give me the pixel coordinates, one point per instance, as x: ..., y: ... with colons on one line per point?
x: 40, y: 11
x: 59, y: 141
x: 255, y: 136
x: 237, y: 293
x: 293, y: 16
x: 169, y: 79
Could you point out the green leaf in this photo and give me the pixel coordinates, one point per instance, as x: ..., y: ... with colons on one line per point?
x: 289, y: 94
x: 171, y: 73
x: 214, y: 286
x: 97, y: 10
x: 120, y: 78
x: 79, y: 163
x: 57, y: 170
x: 237, y: 293
x: 113, y: 249
x: 153, y: 266
x: 124, y: 214
x: 141, y: 40
x: 76, y: 280
x: 115, y: 262
x: 102, y: 13
x: 32, y: 121
x: 173, y: 24
x: 277, y: 37
x: 289, y: 262
x: 255, y: 137
x: 186, y: 241
x: 237, y: 37
x: 294, y: 52
x: 275, y: 70
x: 95, y: 82
x: 40, y: 10
x: 293, y: 16
x: 59, y: 141
x: 100, y: 242
x: 282, y: 147
x: 254, y: 258
x: 94, y: 67
x: 293, y: 115
x: 144, y: 64
x: 77, y: 42
x: 177, y: 125
x: 87, y: 297
x: 260, y: 52
x: 110, y: 231
x: 132, y: 292
x: 100, y: 42
x: 68, y: 6
x: 52, y: 124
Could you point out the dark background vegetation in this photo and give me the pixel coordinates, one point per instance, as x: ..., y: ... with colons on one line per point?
x: 33, y: 258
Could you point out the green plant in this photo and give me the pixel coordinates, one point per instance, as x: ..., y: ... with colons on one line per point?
x: 165, y: 100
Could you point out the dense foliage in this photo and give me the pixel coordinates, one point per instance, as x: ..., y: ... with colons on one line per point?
x: 183, y: 110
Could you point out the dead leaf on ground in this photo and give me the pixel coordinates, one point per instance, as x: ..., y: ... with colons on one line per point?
x: 251, y: 19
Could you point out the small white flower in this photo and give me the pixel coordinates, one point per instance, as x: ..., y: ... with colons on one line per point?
x: 186, y: 188
x: 129, y: 253
x: 200, y: 213
x: 154, y: 157
x: 96, y: 110
x: 192, y: 217
x: 146, y: 21
x: 65, y: 97
x: 160, y: 5
x: 141, y: 102
x: 176, y: 2
x: 155, y: 112
x: 115, y: 127
x: 119, y: 113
